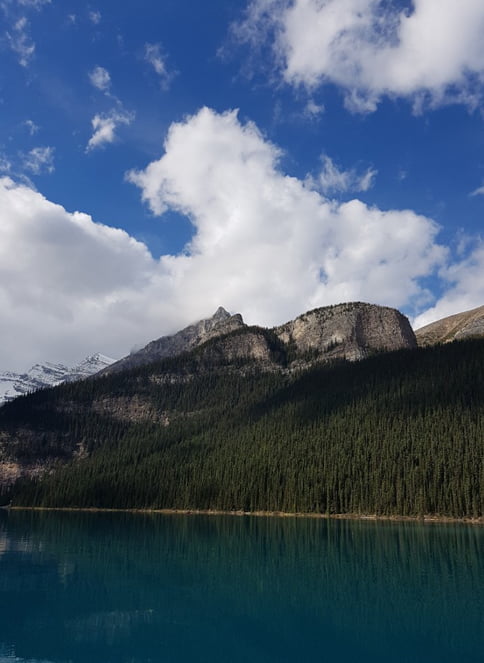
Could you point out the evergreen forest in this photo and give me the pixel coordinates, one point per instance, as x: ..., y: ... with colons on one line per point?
x: 399, y: 433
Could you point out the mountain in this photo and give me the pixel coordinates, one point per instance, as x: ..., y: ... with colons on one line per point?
x: 396, y: 433
x: 335, y: 412
x: 349, y: 331
x: 185, y: 340
x: 211, y: 349
x: 469, y: 324
x: 48, y: 375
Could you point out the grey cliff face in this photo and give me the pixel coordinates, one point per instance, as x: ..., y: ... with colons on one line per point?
x: 185, y: 340
x: 469, y: 324
x: 347, y: 331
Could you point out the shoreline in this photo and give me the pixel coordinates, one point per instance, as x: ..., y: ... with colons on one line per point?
x: 426, y: 519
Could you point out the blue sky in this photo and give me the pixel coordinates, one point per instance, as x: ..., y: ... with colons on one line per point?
x: 160, y: 159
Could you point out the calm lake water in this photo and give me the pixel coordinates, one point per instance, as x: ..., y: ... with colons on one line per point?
x: 102, y: 588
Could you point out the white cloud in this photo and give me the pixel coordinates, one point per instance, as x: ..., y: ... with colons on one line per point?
x: 429, y: 51
x: 105, y: 126
x: 313, y: 110
x: 68, y: 285
x: 100, y: 79
x: 333, y: 180
x: 31, y: 126
x: 464, y: 287
x: 95, y: 17
x: 478, y: 192
x: 264, y: 244
x: 154, y: 56
x: 36, y: 4
x: 20, y: 41
x: 39, y: 160
x: 5, y: 164
x: 267, y: 244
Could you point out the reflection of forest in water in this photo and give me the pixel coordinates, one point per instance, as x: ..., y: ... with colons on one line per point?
x: 139, y: 587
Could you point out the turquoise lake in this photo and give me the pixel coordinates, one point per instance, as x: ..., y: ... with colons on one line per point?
x: 139, y: 588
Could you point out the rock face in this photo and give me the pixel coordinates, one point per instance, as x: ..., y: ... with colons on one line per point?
x: 183, y: 341
x: 469, y: 324
x: 347, y: 331
x: 48, y: 375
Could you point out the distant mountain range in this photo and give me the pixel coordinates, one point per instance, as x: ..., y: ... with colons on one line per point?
x: 48, y: 375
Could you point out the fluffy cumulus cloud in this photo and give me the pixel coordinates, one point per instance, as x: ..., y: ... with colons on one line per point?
x: 267, y: 243
x: 430, y: 51
x: 105, y: 126
x: 67, y: 285
x: 264, y: 243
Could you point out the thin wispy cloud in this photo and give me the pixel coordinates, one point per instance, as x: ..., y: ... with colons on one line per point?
x: 32, y: 127
x: 39, y: 160
x: 20, y: 41
x: 100, y: 79
x: 5, y: 164
x: 334, y: 180
x: 95, y: 17
x: 36, y: 4
x: 154, y: 55
x: 478, y: 192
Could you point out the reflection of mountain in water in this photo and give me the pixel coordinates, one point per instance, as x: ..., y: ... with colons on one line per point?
x: 119, y: 587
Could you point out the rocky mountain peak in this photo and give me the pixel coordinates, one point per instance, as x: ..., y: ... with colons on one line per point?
x: 220, y: 314
x: 222, y: 322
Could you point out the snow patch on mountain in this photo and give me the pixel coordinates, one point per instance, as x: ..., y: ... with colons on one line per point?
x: 48, y: 375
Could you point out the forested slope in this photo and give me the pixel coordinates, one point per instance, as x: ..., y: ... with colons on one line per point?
x: 397, y: 434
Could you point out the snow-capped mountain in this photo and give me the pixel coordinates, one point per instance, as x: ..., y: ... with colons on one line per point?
x: 48, y: 375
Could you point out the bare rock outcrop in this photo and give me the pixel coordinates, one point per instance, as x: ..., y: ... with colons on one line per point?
x: 185, y: 340
x: 349, y: 331
x: 469, y: 324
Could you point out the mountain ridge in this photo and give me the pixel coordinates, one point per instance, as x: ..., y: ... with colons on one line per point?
x: 349, y: 331
x: 459, y: 326
x: 48, y: 374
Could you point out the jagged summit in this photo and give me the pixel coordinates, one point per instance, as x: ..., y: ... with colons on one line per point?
x: 220, y: 314
x: 221, y: 322
x: 349, y: 331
